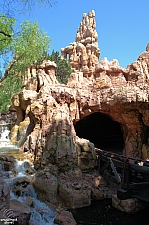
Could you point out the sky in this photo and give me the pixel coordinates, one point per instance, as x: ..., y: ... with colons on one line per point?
x: 122, y: 25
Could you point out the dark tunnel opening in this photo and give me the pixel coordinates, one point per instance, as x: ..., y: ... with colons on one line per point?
x: 100, y: 129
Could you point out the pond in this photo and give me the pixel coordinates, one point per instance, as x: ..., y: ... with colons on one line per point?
x: 102, y: 213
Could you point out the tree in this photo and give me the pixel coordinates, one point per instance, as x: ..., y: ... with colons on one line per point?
x: 27, y: 46
x: 63, y: 69
x: 11, y: 10
x: 21, y: 48
x: 6, y: 33
x: 30, y: 44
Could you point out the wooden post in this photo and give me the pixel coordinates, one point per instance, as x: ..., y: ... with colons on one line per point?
x: 126, y: 175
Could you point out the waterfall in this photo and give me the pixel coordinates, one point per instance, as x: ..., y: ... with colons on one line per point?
x: 5, y: 144
x: 40, y: 212
x: 4, y: 132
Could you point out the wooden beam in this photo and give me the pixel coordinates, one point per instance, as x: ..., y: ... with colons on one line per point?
x: 141, y: 185
x: 140, y: 169
x: 116, y: 175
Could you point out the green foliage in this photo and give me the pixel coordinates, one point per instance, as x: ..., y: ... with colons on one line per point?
x: 63, y: 69
x: 54, y: 57
x: 29, y: 45
x: 8, y: 87
x: 6, y: 33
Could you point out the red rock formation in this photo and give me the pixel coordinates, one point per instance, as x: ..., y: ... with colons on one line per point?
x: 53, y: 109
x: 84, y: 52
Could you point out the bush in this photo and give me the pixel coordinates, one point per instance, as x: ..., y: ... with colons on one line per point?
x: 8, y: 87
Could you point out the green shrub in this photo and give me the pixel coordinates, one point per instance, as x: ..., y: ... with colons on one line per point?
x: 9, y: 86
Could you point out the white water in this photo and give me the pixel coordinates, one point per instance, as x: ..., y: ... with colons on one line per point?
x: 41, y: 214
x: 20, y: 167
x: 4, y: 133
x: 5, y: 144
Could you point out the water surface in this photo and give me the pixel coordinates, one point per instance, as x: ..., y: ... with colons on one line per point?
x: 102, y: 213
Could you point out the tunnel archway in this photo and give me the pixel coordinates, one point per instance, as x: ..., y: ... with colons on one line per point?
x: 100, y: 129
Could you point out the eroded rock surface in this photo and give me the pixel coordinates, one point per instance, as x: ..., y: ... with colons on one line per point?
x: 46, y: 185
x: 84, y: 53
x: 73, y: 190
x: 52, y: 109
x: 21, y: 212
x: 65, y: 218
x: 130, y: 205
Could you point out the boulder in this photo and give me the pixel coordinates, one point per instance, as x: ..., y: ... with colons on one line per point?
x: 99, y: 187
x: 7, y: 162
x: 65, y: 218
x: 73, y: 191
x: 20, y: 185
x: 130, y: 205
x: 20, y: 211
x: 29, y: 201
x: 86, y: 154
x: 46, y: 185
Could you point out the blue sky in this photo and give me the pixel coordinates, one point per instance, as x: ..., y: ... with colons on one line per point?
x: 122, y: 25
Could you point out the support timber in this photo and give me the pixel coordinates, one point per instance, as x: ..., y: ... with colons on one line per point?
x: 130, y: 174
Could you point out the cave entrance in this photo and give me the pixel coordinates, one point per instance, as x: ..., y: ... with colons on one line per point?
x: 100, y: 129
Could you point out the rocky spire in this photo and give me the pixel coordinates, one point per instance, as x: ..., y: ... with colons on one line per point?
x: 83, y: 54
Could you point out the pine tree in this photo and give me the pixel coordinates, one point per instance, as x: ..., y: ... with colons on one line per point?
x: 63, y: 69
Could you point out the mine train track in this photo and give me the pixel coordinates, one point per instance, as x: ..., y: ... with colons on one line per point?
x: 130, y: 174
